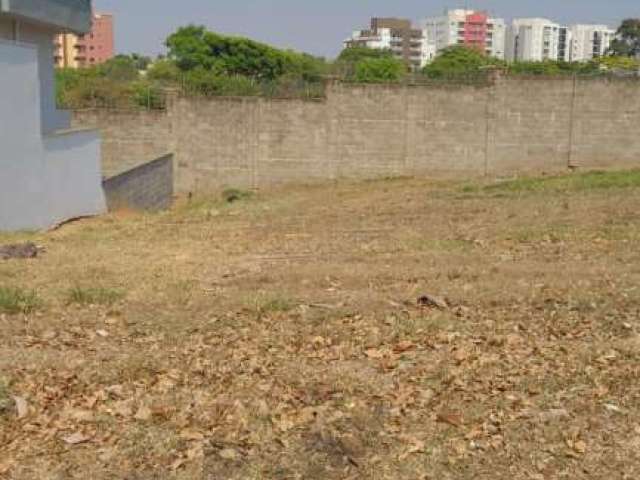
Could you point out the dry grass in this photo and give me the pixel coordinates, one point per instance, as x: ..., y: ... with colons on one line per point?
x: 279, y: 337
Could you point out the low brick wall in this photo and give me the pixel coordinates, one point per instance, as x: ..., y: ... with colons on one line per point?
x: 146, y: 187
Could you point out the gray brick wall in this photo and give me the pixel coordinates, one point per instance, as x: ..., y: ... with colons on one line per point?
x: 145, y: 187
x: 129, y: 137
x: 515, y: 126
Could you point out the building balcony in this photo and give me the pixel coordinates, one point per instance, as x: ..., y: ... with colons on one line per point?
x: 72, y: 15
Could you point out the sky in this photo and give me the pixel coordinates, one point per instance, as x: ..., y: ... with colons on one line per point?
x: 319, y: 27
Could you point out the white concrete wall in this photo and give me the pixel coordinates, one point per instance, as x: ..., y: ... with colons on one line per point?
x: 43, y: 38
x: 21, y: 191
x: 43, y: 180
x: 73, y: 176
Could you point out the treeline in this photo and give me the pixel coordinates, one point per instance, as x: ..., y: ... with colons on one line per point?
x: 202, y: 62
x: 198, y: 62
x: 460, y: 61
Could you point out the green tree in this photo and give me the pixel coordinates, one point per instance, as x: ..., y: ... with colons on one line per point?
x: 356, y: 54
x: 121, y: 68
x: 142, y: 62
x: 379, y: 70
x: 618, y: 63
x: 164, y: 71
x: 460, y: 61
x: 194, y: 47
x: 628, y: 42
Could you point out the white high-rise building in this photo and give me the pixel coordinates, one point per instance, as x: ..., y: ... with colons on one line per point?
x: 536, y: 40
x: 590, y: 41
x: 466, y: 27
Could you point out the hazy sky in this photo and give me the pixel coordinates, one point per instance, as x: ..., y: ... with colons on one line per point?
x: 320, y: 26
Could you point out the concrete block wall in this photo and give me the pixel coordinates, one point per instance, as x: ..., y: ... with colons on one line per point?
x: 606, y: 129
x: 514, y: 126
x: 145, y: 187
x: 129, y: 137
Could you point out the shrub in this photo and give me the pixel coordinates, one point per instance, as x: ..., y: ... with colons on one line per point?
x: 203, y: 82
x: 379, y: 70
x: 164, y: 71
x: 460, y: 61
x: 553, y: 67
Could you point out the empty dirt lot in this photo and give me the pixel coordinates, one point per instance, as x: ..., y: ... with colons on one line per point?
x: 287, y: 335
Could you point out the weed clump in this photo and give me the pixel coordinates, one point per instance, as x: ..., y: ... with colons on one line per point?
x: 17, y: 300
x: 94, y: 296
x: 232, y: 195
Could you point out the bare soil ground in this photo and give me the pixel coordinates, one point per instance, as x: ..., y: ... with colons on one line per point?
x: 280, y: 336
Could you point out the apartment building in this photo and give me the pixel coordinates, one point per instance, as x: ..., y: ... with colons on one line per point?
x: 538, y: 39
x: 466, y: 27
x: 93, y: 48
x: 397, y: 35
x: 590, y: 41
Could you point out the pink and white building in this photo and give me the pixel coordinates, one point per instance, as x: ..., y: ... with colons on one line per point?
x: 471, y: 28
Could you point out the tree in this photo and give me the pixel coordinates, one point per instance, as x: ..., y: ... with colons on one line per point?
x: 460, y: 61
x: 379, y: 70
x: 164, y: 71
x: 628, y: 42
x: 618, y: 63
x: 356, y: 54
x: 347, y: 62
x: 194, y: 47
x: 141, y: 62
x: 121, y: 68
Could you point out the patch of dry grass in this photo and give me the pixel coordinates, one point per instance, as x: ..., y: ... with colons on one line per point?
x: 281, y: 338
x: 15, y: 300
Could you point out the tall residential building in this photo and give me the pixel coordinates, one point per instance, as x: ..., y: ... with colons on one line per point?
x: 397, y: 35
x: 590, y: 41
x: 537, y: 39
x: 467, y: 27
x: 93, y: 48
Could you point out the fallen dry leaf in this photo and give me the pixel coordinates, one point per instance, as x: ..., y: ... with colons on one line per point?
x: 415, y: 446
x: 374, y: 353
x: 22, y: 407
x: 404, y: 347
x: 143, y: 414
x: 228, y: 454
x: 177, y: 464
x: 76, y: 439
x: 191, y: 435
x: 451, y: 418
